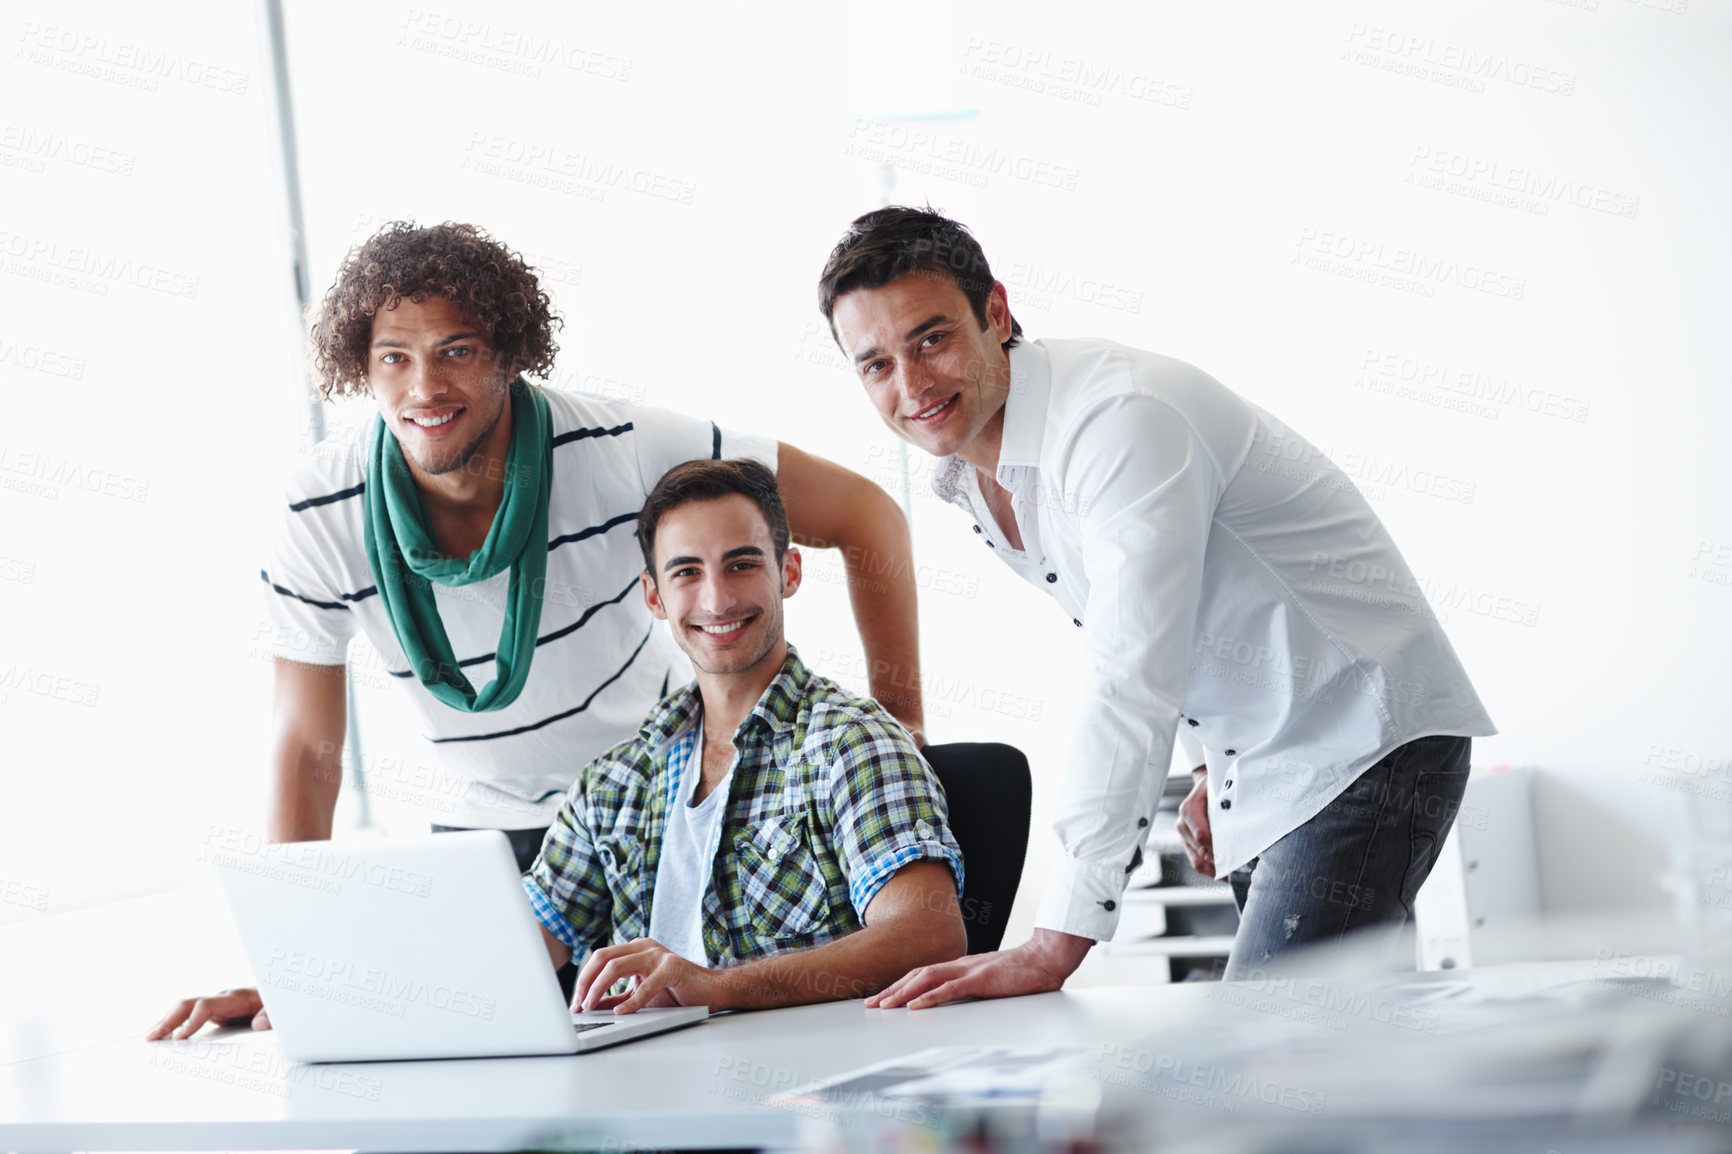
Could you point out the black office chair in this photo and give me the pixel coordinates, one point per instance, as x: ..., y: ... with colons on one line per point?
x: 989, y: 792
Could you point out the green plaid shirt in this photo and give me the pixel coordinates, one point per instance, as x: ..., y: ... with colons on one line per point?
x: 828, y: 799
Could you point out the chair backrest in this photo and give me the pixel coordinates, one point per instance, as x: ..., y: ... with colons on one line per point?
x: 989, y: 792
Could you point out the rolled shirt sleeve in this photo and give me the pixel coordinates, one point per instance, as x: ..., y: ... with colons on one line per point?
x: 888, y: 807
x: 1150, y: 489
x: 566, y: 884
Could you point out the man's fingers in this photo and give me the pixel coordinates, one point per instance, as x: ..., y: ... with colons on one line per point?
x: 648, y: 986
x: 916, y: 982
x: 171, y: 1019
x: 599, y: 984
x: 597, y: 961
x: 586, y: 972
x: 914, y: 985
x: 948, y: 992
x: 196, y: 1020
x: 1193, y: 847
x: 889, y: 994
x: 229, y: 1008
x: 605, y: 979
x: 261, y: 1020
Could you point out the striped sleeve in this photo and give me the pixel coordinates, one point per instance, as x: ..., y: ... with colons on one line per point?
x: 666, y: 439
x: 309, y: 606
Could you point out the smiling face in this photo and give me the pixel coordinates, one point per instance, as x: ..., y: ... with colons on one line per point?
x: 439, y: 387
x: 935, y: 376
x: 718, y: 585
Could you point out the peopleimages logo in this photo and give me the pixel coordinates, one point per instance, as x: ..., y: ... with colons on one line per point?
x: 38, y: 148
x: 1364, y: 258
x: 314, y: 865
x: 123, y: 61
x: 1427, y: 58
x: 89, y: 269
x: 953, y: 157
x: 550, y: 164
x: 1488, y: 394
x: 1072, y: 78
x: 333, y: 979
x: 1494, y: 176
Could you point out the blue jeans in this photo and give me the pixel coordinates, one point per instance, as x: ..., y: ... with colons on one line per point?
x: 1357, y: 863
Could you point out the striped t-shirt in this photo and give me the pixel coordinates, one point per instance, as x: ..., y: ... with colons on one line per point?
x: 600, y: 662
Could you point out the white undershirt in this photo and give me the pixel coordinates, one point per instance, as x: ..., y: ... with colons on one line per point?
x: 689, y: 843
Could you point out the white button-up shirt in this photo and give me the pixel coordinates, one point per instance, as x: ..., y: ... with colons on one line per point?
x: 1233, y: 588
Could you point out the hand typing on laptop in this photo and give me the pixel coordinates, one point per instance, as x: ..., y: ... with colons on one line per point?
x: 767, y: 838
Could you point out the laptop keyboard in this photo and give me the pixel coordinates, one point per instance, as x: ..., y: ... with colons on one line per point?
x: 580, y: 1027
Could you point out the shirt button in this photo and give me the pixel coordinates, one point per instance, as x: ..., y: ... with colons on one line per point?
x: 1075, y: 622
x: 1232, y: 752
x: 1228, y: 784
x: 923, y: 828
x: 1051, y: 578
x: 990, y: 545
x: 978, y: 529
x: 1190, y: 721
x: 1141, y: 822
x: 1109, y: 906
x: 1226, y: 803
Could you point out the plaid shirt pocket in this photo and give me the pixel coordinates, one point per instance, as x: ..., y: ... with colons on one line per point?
x: 622, y: 862
x: 780, y: 879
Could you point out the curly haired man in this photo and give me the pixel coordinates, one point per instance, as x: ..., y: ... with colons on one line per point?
x: 479, y: 536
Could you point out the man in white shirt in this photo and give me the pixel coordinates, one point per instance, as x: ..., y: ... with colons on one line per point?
x: 1234, y: 591
x: 479, y: 536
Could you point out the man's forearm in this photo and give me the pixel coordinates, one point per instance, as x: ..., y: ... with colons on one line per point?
x: 830, y: 507
x: 883, y: 592
x: 304, y: 795
x: 310, y: 719
x: 861, y: 963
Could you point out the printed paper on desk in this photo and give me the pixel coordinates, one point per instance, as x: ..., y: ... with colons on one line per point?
x: 954, y: 1075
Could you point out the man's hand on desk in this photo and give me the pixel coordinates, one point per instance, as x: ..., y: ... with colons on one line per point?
x: 663, y: 979
x: 229, y: 1008
x: 1194, y: 824
x: 1038, y: 966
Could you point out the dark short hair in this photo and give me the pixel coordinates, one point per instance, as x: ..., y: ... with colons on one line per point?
x: 491, y: 285
x: 892, y: 242
x: 710, y: 481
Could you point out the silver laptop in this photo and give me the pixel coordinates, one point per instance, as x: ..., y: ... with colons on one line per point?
x: 420, y: 947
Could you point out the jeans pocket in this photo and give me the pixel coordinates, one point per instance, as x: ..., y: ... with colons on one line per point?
x: 1436, y: 804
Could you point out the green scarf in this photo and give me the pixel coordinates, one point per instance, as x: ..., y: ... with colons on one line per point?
x: 405, y: 559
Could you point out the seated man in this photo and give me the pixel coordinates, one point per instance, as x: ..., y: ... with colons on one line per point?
x: 767, y: 838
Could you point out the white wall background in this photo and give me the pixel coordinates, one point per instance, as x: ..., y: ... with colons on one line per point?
x: 1478, y: 252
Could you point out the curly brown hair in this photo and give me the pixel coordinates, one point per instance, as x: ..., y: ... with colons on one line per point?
x: 490, y: 284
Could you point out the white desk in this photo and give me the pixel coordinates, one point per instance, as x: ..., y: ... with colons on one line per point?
x: 77, y: 1075
x: 80, y: 990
